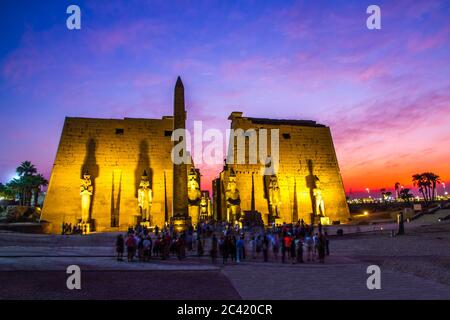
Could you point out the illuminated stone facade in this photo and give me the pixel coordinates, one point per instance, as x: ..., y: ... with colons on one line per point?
x: 115, y: 153
x: 307, y: 167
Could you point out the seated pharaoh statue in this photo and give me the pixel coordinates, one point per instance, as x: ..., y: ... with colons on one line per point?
x: 319, y: 204
x: 233, y: 199
x: 145, y: 197
x: 86, y: 191
x: 194, y: 193
x: 274, y: 196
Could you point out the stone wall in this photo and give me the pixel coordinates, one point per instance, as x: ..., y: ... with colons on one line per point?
x: 115, y: 153
x: 306, y: 150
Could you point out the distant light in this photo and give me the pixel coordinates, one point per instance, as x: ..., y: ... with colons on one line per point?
x: 366, y: 213
x: 14, y: 176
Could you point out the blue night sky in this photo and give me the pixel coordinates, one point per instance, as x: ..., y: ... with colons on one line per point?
x: 385, y: 93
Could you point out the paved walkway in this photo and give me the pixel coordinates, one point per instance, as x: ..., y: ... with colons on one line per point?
x: 329, y: 282
x: 110, y: 285
x: 414, y: 266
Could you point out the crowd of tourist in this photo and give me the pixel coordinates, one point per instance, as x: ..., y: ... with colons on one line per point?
x: 67, y: 228
x: 292, y: 243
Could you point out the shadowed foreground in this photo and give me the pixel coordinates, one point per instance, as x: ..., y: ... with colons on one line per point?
x: 118, y: 285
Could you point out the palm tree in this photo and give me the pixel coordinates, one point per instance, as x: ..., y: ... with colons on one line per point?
x: 28, y: 183
x: 421, y: 182
x: 18, y: 187
x: 26, y: 168
x: 383, y: 193
x: 37, y: 182
x: 6, y: 192
x: 427, y: 182
x: 433, y: 179
x: 387, y: 195
x: 405, y: 195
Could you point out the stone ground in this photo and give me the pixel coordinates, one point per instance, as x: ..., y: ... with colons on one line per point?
x: 414, y: 266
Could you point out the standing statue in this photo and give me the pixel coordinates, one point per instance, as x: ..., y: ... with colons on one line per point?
x: 204, y: 208
x: 145, y: 197
x: 194, y: 193
x: 319, y: 204
x: 205, y: 205
x: 274, y: 196
x: 86, y: 191
x: 232, y: 198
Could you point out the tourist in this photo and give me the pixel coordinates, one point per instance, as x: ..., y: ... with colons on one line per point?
x: 299, y: 246
x: 173, y: 244
x: 189, y: 241
x: 315, y: 245
x: 302, y: 229
x: 253, y: 247
x: 307, y: 230
x: 293, y: 250
x: 244, y: 241
x: 232, y: 246
x: 156, y: 247
x: 240, y: 249
x: 223, y: 249
x: 131, y: 245
x: 265, y: 248
x: 258, y: 246
x: 181, y: 247
x: 166, y: 246
x: 321, y: 247
x: 140, y: 248
x: 214, y: 248
x: 327, y: 244
x: 120, y: 244
x: 137, y: 240
x: 147, y: 244
x: 287, y: 241
x: 275, y: 246
x: 199, y: 246
x: 309, y: 243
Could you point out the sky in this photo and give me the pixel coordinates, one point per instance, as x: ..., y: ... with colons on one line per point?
x: 384, y: 93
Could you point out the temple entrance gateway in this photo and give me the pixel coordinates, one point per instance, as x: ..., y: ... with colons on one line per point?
x: 118, y: 149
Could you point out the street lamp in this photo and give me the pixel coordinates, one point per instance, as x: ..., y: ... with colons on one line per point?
x: 368, y: 192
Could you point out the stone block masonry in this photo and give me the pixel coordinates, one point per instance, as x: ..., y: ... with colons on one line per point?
x: 306, y: 150
x: 115, y: 152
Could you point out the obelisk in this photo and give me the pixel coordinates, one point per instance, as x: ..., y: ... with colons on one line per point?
x: 180, y: 217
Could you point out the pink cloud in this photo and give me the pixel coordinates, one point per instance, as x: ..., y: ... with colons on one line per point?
x: 420, y: 42
x: 129, y: 35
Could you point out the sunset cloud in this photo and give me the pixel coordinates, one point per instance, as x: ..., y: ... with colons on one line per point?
x: 384, y: 93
